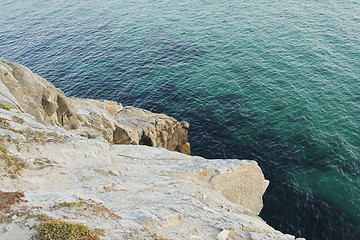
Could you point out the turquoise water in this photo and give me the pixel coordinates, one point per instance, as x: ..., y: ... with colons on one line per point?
x: 274, y: 81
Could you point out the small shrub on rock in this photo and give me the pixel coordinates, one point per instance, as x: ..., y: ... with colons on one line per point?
x: 60, y: 230
x: 7, y: 199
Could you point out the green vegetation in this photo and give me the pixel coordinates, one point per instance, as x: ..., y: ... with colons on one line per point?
x: 42, y: 217
x: 71, y: 204
x: 60, y: 230
x: 13, y: 164
x: 52, y: 229
x: 7, y: 199
x: 4, y: 107
x: 10, y: 198
x: 56, y: 122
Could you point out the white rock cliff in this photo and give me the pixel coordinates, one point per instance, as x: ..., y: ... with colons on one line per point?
x: 127, y: 191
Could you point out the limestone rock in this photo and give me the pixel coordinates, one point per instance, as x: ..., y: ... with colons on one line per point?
x: 130, y: 125
x: 243, y: 185
x: 32, y: 94
x: 6, y: 98
x: 142, y: 192
x: 138, y: 126
x: 97, y: 118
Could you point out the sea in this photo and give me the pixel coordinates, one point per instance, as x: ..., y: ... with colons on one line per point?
x: 276, y: 81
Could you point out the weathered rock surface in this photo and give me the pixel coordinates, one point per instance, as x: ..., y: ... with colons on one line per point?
x: 243, y: 185
x: 34, y: 95
x: 97, y: 118
x: 130, y: 125
x: 25, y: 91
x: 141, y: 127
x: 156, y: 192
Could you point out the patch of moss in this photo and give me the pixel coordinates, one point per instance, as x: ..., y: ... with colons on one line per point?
x: 70, y: 204
x: 42, y: 137
x: 56, y: 122
x: 41, y: 163
x: 60, y: 230
x: 42, y: 217
x: 5, y: 107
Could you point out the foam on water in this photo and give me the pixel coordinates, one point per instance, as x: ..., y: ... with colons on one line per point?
x: 274, y: 81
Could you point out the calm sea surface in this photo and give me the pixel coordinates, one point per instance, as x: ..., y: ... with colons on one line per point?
x: 276, y: 81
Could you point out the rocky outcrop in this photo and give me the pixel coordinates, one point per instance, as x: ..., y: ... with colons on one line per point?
x: 27, y: 92
x: 32, y: 94
x: 128, y: 191
x: 97, y: 118
x: 244, y: 185
x: 130, y: 125
x: 141, y: 127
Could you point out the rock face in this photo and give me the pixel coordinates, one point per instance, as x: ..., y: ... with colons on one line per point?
x: 27, y: 92
x: 244, y: 185
x: 129, y: 191
x: 141, y: 127
x: 34, y: 95
x: 97, y: 118
x: 130, y: 125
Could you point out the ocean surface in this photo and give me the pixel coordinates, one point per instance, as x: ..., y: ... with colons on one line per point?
x: 276, y: 81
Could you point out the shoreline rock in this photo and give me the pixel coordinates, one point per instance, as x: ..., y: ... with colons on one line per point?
x: 141, y: 127
x: 33, y: 94
x: 126, y: 191
x: 27, y: 92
